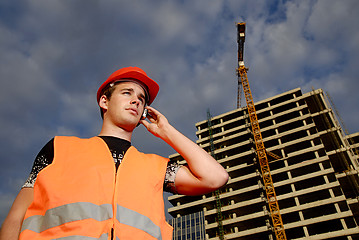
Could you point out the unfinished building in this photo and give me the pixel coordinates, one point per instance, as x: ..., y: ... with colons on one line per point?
x: 313, y: 164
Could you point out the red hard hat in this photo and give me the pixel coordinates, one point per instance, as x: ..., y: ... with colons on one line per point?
x: 132, y: 73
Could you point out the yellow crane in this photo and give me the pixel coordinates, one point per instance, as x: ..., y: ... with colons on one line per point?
x: 260, y: 149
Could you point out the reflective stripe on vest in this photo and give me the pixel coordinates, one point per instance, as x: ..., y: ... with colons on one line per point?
x: 67, y: 213
x: 84, y: 210
x: 103, y: 237
x: 137, y: 220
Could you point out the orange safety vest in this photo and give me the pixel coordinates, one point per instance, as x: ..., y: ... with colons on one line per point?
x: 81, y: 196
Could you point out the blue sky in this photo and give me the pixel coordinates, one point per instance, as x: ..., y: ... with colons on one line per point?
x: 55, y: 54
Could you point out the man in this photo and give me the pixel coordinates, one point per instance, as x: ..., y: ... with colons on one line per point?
x: 79, y: 192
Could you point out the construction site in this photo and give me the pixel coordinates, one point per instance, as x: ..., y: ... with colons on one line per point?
x: 293, y: 170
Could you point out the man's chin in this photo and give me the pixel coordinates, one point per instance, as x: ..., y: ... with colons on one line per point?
x: 131, y: 126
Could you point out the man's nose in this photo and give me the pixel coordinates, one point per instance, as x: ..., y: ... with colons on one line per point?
x: 135, y: 101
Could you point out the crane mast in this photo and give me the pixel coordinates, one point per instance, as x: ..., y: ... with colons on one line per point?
x: 260, y: 149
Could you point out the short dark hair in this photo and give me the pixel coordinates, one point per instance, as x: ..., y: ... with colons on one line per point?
x: 108, y: 93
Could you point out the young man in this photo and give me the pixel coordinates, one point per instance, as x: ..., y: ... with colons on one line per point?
x: 102, y: 187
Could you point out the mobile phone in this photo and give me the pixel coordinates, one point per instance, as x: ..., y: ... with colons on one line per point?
x: 144, y: 114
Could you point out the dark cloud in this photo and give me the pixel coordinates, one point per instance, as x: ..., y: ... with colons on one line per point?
x: 54, y: 55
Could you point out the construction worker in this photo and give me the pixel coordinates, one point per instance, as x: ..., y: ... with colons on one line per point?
x: 79, y: 192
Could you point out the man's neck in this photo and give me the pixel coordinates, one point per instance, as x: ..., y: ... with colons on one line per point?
x: 116, y: 132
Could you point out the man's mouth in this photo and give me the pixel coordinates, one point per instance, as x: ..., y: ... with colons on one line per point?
x: 133, y: 110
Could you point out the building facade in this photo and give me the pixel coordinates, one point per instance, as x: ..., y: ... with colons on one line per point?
x: 189, y: 227
x: 313, y: 164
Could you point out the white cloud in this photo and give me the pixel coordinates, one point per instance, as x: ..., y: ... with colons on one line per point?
x: 6, y: 201
x: 7, y: 198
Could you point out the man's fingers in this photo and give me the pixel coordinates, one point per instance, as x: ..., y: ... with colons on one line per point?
x: 154, y: 112
x: 145, y: 123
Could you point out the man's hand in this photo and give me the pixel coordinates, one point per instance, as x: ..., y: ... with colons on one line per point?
x: 157, y: 124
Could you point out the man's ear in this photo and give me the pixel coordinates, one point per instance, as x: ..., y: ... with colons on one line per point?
x: 103, y: 103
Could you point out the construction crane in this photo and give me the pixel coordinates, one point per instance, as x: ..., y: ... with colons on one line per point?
x: 260, y: 149
x: 241, y: 29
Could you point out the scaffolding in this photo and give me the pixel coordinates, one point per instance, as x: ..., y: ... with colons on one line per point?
x: 217, y: 192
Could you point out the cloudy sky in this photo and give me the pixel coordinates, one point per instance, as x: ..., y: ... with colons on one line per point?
x: 55, y: 54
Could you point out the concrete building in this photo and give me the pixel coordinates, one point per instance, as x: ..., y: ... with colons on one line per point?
x: 315, y: 178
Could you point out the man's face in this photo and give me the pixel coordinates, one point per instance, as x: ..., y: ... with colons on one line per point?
x: 125, y: 107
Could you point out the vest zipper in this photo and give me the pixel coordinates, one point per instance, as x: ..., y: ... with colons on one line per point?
x: 113, y: 237
x: 114, y: 203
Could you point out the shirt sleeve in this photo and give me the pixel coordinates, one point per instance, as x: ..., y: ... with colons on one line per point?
x: 42, y: 160
x: 169, y: 183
